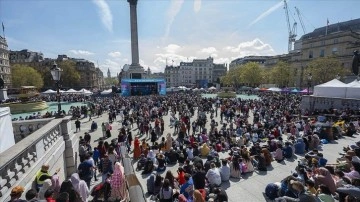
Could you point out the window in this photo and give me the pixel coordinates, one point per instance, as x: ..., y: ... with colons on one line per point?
x: 311, y: 54
x: 322, y: 53
x: 336, y: 41
x: 322, y: 43
x: 334, y: 50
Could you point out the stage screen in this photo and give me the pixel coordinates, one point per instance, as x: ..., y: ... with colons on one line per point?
x: 139, y: 87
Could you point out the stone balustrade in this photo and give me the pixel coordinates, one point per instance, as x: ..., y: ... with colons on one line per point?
x: 136, y: 191
x: 23, y: 128
x: 314, y: 102
x: 54, y: 144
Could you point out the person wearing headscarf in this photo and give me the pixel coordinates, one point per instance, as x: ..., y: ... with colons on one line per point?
x: 46, y: 185
x: 152, y: 156
x: 117, y: 183
x: 80, y: 186
x: 55, y: 181
x: 137, y: 150
x: 324, y: 177
x: 168, y: 143
x: 205, y: 150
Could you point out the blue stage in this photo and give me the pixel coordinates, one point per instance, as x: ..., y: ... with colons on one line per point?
x: 131, y: 87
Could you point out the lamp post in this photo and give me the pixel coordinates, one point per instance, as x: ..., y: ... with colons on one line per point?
x: 56, y: 75
x: 309, y: 82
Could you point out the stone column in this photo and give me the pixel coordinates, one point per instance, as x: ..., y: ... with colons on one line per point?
x: 134, y: 33
x: 71, y: 147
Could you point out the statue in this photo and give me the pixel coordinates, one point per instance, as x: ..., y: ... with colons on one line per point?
x: 356, y: 63
x: 2, y: 84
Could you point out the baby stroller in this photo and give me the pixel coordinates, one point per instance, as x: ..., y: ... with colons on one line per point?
x: 101, y: 192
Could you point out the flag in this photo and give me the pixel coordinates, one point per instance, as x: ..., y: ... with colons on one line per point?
x: 3, y: 27
x: 327, y: 22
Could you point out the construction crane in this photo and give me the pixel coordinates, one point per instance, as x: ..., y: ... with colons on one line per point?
x: 292, y: 31
x: 300, y: 19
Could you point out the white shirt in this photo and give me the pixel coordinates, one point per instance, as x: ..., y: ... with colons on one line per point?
x: 225, y: 173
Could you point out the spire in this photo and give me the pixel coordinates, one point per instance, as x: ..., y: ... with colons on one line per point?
x: 108, y: 73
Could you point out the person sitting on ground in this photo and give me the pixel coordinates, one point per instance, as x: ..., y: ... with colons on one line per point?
x: 49, y: 195
x: 148, y: 167
x: 224, y: 171
x: 188, y: 187
x: 287, y: 150
x: 278, y: 154
x: 213, y: 175
x: 302, y: 195
x: 324, y: 194
x: 166, y: 192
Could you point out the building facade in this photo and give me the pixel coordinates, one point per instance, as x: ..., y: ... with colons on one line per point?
x: 5, y: 70
x: 261, y: 60
x: 25, y: 56
x: 198, y: 73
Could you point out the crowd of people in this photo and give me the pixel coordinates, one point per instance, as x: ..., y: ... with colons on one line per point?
x: 203, y: 130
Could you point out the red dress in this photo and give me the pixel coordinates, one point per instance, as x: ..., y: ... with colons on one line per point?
x: 137, y: 151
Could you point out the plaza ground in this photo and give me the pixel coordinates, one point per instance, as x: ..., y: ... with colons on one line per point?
x: 249, y: 188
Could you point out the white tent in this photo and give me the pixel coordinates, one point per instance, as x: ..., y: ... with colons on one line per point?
x: 212, y: 88
x: 353, y: 90
x: 85, y: 92
x: 49, y: 92
x: 71, y: 91
x: 106, y: 92
x: 274, y: 89
x: 333, y: 88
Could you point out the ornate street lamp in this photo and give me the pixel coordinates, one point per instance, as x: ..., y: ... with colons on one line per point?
x: 309, y: 82
x: 56, y: 75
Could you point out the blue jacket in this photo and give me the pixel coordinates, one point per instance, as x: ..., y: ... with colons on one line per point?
x: 299, y: 146
x: 187, y: 188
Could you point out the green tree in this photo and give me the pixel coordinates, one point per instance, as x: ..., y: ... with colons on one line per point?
x: 112, y: 81
x: 281, y: 74
x: 23, y: 75
x: 70, y: 77
x: 251, y: 74
x: 324, y: 69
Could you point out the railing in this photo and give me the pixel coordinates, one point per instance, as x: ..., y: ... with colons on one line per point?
x: 24, y: 128
x: 136, y: 191
x: 52, y: 144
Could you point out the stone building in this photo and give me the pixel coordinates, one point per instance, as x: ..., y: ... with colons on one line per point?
x: 261, y: 60
x: 172, y: 76
x: 25, y: 56
x: 5, y: 71
x: 88, y: 73
x: 100, y: 79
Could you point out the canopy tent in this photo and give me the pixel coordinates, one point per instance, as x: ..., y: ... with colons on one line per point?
x: 212, y: 88
x: 49, y: 92
x: 62, y: 91
x: 85, y: 92
x: 353, y: 91
x: 256, y: 89
x: 262, y: 89
x: 333, y: 88
x: 195, y: 89
x: 286, y: 90
x: 72, y: 91
x: 274, y: 89
x: 106, y: 92
x: 295, y: 91
x: 306, y: 91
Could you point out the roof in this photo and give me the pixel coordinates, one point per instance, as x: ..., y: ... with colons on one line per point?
x: 351, y: 25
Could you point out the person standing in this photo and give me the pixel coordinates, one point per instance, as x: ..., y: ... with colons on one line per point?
x: 105, y: 167
x: 77, y: 125
x: 118, y: 183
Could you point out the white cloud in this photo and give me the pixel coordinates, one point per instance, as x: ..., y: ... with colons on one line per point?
x: 104, y: 13
x: 209, y: 50
x: 267, y: 12
x: 197, y: 5
x: 254, y: 47
x: 112, y: 65
x: 172, y: 12
x: 81, y: 52
x: 115, y: 54
x: 172, y: 48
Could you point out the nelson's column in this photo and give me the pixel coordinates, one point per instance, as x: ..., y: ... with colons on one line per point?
x: 135, y: 70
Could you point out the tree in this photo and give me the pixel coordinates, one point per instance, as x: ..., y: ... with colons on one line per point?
x: 23, y: 75
x: 281, y: 74
x: 251, y: 74
x: 324, y: 69
x: 70, y: 77
x: 112, y: 81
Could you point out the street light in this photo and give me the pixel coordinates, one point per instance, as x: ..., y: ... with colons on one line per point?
x: 309, y: 82
x: 338, y: 77
x: 56, y: 75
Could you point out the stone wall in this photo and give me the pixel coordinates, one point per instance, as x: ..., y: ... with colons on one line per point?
x: 54, y: 144
x: 23, y: 128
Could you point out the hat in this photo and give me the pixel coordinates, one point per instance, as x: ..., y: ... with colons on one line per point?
x: 17, y: 190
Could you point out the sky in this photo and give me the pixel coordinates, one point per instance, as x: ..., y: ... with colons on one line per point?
x: 170, y: 31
